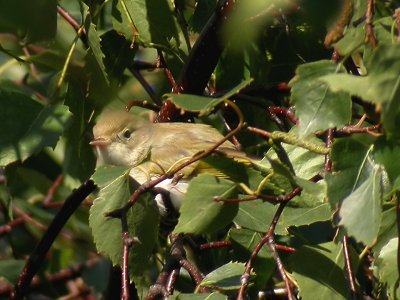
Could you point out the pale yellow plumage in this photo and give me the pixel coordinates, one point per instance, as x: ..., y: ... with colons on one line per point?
x: 152, y: 148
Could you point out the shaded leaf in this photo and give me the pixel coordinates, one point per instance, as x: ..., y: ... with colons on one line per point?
x: 10, y: 269
x: 35, y: 127
x: 153, y: 20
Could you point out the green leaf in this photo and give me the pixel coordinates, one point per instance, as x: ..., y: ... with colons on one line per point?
x: 142, y: 218
x: 27, y: 126
x: 79, y: 160
x: 154, y: 21
x: 10, y: 269
x: 244, y: 242
x: 387, y: 267
x: 352, y: 163
x: 352, y: 40
x: 300, y: 216
x: 199, y: 212
x: 255, y: 215
x: 361, y: 211
x: 317, y: 107
x: 319, y: 272
x: 122, y: 21
x: 381, y: 85
x: 203, y: 105
x: 36, y: 21
x: 202, y: 296
x: 225, y: 278
x: 95, y: 49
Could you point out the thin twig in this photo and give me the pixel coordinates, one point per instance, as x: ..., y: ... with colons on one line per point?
x: 52, y: 190
x: 328, y: 144
x: 349, y: 269
x: 67, y: 17
x: 277, y: 110
x: 162, y: 63
x: 281, y: 268
x: 370, y: 36
x: 126, y: 244
x: 149, y: 90
x: 36, y: 258
x: 214, y: 245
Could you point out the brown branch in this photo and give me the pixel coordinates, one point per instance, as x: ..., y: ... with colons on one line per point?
x: 369, y: 35
x: 7, y: 228
x: 36, y: 258
x: 259, y: 131
x: 162, y: 63
x: 281, y: 268
x: 52, y: 190
x: 276, y: 110
x: 126, y: 245
x: 349, y: 269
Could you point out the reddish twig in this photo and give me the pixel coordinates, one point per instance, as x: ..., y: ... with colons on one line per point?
x: 352, y: 129
x: 4, y: 229
x: 268, y: 239
x: 349, y: 269
x: 67, y: 17
x: 173, y: 276
x: 60, y: 276
x: 194, y: 273
x: 162, y: 63
x: 281, y: 268
x: 52, y: 190
x: 214, y: 245
x: 370, y: 36
x: 259, y: 131
x: 285, y: 248
x: 36, y: 259
x: 276, y: 110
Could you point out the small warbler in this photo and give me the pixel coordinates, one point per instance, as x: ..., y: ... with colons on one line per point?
x: 151, y: 149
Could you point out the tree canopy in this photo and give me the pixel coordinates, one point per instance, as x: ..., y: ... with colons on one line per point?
x: 306, y: 88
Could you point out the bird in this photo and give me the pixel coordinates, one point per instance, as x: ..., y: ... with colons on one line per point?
x: 151, y: 149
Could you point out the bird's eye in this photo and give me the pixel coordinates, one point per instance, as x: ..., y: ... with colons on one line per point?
x: 126, y: 134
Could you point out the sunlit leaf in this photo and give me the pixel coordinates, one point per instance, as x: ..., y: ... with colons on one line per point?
x: 226, y: 277
x: 317, y: 107
x: 360, y: 212
x: 199, y: 212
x: 142, y: 218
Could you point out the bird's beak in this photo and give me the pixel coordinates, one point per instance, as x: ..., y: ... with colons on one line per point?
x: 100, y: 142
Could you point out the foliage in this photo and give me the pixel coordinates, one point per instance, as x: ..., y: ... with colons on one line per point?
x: 313, y: 208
